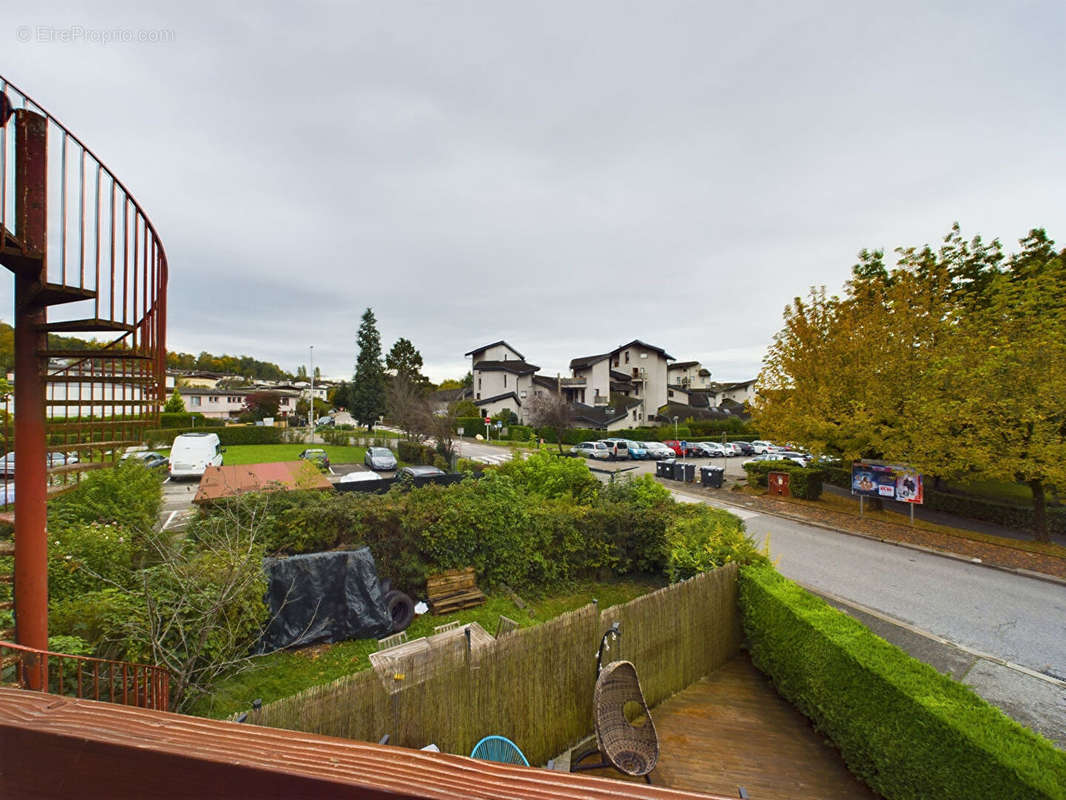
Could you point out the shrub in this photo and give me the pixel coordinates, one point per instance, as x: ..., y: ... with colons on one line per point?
x: 643, y: 492
x: 471, y: 426
x: 186, y: 419
x: 84, y: 558
x: 804, y: 482
x: 547, y: 475
x: 97, y: 617
x: 906, y: 730
x: 701, y: 538
x: 128, y: 494
x: 231, y: 434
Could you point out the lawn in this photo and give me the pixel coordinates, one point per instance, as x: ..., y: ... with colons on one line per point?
x: 1003, y: 491
x: 269, y: 453
x: 290, y: 671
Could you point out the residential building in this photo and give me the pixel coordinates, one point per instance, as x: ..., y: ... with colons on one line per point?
x: 502, y: 379
x: 229, y: 403
x: 741, y: 392
x: 637, y: 370
x: 688, y: 374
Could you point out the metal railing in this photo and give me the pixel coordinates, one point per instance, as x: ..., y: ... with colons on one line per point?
x: 85, y: 677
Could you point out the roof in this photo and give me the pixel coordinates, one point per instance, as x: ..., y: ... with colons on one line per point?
x: 230, y: 481
x: 620, y: 376
x: 486, y: 400
x: 683, y: 364
x: 487, y: 346
x: 185, y: 391
x: 584, y: 362
x: 601, y: 416
x: 517, y: 367
x: 646, y: 346
x: 738, y: 385
x: 549, y: 383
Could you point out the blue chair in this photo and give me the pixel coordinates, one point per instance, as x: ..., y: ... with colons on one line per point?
x: 498, y: 748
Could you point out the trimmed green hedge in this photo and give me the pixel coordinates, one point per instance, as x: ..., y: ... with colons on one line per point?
x: 804, y: 482
x: 908, y: 731
x: 187, y: 419
x: 231, y: 434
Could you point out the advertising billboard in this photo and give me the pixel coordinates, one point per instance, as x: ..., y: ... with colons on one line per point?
x: 889, y: 481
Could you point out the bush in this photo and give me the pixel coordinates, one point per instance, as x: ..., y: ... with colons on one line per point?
x: 549, y: 476
x: 906, y: 730
x: 97, y: 617
x: 84, y: 558
x: 643, y: 492
x: 702, y: 538
x: 471, y: 426
x: 804, y: 482
x: 186, y: 419
x: 128, y: 494
x: 231, y: 434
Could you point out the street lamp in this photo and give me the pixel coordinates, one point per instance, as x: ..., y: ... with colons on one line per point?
x: 311, y: 399
x: 676, y: 439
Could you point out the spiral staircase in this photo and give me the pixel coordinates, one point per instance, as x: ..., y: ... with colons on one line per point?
x: 86, y: 262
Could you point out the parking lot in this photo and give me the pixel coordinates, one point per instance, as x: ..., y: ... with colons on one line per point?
x: 732, y: 465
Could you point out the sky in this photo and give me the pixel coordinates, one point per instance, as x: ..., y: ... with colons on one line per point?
x: 567, y: 177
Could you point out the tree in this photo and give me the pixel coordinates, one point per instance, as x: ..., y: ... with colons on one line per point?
x: 259, y: 405
x: 404, y: 361
x: 941, y: 362
x: 409, y: 409
x: 550, y: 411
x: 367, y: 398
x: 301, y: 373
x: 175, y: 405
x: 450, y: 383
x: 466, y: 408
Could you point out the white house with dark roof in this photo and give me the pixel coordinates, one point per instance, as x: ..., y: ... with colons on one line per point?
x: 636, y: 370
x: 689, y: 375
x: 502, y: 379
x: 741, y: 392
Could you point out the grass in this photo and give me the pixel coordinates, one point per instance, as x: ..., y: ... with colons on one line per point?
x: 291, y: 671
x: 1003, y: 491
x: 269, y: 453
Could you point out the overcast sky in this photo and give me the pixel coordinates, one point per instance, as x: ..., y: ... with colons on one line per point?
x: 565, y: 176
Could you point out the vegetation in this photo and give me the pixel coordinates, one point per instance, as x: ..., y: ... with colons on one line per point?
x: 174, y: 405
x: 245, y: 366
x: 367, y: 394
x: 805, y: 482
x: 952, y: 361
x: 270, y: 453
x: 404, y: 362
x: 906, y: 730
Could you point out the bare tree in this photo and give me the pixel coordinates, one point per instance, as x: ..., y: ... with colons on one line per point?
x: 550, y: 411
x: 409, y: 409
x: 442, y: 425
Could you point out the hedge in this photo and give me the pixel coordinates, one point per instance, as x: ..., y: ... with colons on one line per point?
x: 804, y: 482
x: 905, y: 729
x: 231, y: 434
x: 187, y: 419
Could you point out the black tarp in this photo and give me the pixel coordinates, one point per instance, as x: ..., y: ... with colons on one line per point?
x: 324, y: 597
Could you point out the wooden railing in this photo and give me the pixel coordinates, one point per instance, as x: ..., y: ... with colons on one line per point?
x: 141, y: 685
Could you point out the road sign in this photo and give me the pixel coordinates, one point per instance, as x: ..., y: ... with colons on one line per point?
x: 460, y: 431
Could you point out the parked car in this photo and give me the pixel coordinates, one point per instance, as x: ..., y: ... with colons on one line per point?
x: 711, y: 449
x: 730, y: 449
x: 761, y: 446
x: 421, y: 472
x: 359, y: 477
x: 149, y: 458
x: 745, y: 448
x: 7, y: 463
x: 674, y: 445
x: 637, y: 451
x: 192, y: 453
x: 380, y: 458
x: 596, y: 450
x: 617, y: 448
x: 658, y: 450
x: 793, y: 455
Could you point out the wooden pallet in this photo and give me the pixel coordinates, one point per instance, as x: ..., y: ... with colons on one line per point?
x: 453, y: 590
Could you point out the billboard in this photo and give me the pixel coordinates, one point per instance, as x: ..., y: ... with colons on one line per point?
x: 890, y: 481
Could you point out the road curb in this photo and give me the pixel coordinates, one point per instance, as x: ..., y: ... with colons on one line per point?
x: 1021, y: 571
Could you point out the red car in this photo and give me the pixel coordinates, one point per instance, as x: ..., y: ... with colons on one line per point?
x: 674, y: 445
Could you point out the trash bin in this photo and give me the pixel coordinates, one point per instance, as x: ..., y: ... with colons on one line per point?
x: 712, y: 477
x: 684, y: 471
x: 664, y: 469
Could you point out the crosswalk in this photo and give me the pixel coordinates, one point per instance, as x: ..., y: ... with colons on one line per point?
x: 494, y: 460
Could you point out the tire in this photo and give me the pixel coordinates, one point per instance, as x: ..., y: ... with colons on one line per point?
x: 401, y: 610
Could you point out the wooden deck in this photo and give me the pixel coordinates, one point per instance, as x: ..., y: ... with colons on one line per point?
x: 732, y: 729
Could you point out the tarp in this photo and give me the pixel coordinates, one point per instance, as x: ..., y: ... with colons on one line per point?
x: 324, y: 597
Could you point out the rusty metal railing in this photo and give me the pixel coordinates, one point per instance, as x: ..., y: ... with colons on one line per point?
x: 85, y: 677
x: 105, y: 274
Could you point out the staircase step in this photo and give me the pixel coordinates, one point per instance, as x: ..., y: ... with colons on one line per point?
x: 99, y: 424
x: 12, y: 257
x: 7, y: 634
x: 87, y: 325
x: 7, y: 605
x: 6, y: 577
x: 54, y: 294
x: 80, y: 447
x: 147, y: 380
x: 104, y: 355
x: 79, y: 466
x: 8, y: 518
x: 7, y: 548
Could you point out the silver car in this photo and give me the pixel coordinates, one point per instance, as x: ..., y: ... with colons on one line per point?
x: 380, y: 458
x: 596, y: 450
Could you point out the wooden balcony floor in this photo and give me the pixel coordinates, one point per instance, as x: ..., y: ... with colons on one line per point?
x: 732, y: 729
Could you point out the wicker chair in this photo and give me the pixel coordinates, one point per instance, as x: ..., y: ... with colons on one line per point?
x: 630, y: 749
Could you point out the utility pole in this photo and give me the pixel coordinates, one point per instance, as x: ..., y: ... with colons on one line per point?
x: 311, y: 399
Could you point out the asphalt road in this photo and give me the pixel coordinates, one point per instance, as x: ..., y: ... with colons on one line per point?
x: 1015, y: 618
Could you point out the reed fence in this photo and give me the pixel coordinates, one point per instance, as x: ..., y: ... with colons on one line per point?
x: 533, y: 685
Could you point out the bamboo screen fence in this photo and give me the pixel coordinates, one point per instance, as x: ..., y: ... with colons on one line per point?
x: 533, y: 686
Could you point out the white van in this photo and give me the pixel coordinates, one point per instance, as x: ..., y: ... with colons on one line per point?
x: 192, y: 453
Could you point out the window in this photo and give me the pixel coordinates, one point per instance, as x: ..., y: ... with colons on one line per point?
x: 616, y: 361
x: 479, y: 385
x: 505, y: 380
x: 194, y: 401
x: 477, y: 396
x: 634, y: 415
x: 627, y: 358
x: 213, y: 399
